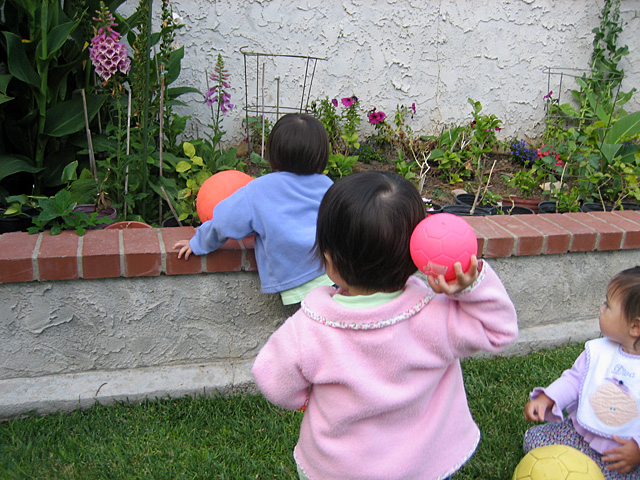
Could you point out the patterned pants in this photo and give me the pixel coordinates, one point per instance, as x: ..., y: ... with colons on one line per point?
x: 564, y: 434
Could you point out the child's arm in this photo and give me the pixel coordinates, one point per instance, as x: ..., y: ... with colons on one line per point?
x: 277, y: 369
x: 547, y: 404
x: 233, y: 220
x: 624, y: 458
x: 478, y: 312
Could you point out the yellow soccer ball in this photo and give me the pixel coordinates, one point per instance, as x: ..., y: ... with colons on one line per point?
x: 557, y: 462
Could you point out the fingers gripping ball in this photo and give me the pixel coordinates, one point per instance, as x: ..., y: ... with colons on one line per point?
x: 216, y: 188
x: 557, y: 462
x: 441, y: 240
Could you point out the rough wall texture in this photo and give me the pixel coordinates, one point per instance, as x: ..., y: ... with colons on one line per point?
x: 49, y: 328
x: 398, y: 52
x: 75, y: 326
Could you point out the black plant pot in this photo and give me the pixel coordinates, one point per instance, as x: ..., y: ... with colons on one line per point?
x: 510, y: 210
x: 433, y: 209
x: 465, y: 210
x: 628, y: 206
x: 18, y: 223
x: 468, y: 198
x: 595, y: 207
x: 548, y: 206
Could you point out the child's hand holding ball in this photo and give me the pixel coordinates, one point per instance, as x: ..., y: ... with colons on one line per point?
x: 444, y: 247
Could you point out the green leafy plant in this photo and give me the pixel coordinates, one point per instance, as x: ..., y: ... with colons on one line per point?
x: 405, y: 167
x: 57, y: 214
x: 342, y: 128
x: 40, y: 108
x: 340, y: 165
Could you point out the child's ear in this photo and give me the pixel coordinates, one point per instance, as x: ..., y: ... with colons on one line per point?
x: 634, y: 328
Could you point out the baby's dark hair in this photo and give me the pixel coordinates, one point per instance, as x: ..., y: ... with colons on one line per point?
x: 365, y: 224
x: 298, y: 143
x: 625, y: 287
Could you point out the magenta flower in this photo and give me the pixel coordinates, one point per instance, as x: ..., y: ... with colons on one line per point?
x: 376, y: 117
x: 548, y: 95
x: 335, y: 102
x: 413, y: 107
x: 108, y: 55
x: 348, y: 101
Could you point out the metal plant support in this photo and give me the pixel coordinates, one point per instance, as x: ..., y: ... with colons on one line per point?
x: 555, y: 78
x: 257, y: 107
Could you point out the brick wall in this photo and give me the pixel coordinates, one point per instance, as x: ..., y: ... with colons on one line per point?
x: 140, y: 252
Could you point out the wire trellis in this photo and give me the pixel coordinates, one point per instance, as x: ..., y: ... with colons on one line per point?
x: 556, y: 76
x: 256, y: 106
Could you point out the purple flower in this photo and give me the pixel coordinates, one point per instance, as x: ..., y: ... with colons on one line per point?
x: 413, y: 107
x: 108, y: 55
x: 335, y: 102
x: 218, y: 93
x: 548, y: 95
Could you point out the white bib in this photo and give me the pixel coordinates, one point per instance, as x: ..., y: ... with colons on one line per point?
x: 610, y: 390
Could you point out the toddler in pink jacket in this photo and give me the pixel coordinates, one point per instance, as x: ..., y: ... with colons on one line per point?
x: 376, y: 361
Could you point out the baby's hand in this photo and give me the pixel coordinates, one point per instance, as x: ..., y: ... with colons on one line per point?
x: 624, y: 458
x: 184, y: 247
x: 462, y: 280
x: 536, y: 409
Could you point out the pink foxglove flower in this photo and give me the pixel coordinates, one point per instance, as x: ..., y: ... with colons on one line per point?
x: 108, y: 55
x: 218, y: 93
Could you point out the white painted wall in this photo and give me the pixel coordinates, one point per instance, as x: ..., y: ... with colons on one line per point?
x: 389, y: 52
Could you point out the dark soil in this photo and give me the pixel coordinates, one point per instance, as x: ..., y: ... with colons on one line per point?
x: 441, y: 192
x: 436, y: 187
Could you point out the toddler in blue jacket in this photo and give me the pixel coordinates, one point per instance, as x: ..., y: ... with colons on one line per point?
x: 280, y: 209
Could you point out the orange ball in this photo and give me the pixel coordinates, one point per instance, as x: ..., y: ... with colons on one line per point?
x: 216, y: 188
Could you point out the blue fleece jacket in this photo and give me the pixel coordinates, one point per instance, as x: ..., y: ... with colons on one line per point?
x: 281, y: 209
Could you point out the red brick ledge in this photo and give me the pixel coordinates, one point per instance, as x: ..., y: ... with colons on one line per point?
x: 148, y: 252
x: 112, y: 253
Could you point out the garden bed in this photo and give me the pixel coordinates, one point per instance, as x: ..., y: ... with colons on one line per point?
x: 442, y: 192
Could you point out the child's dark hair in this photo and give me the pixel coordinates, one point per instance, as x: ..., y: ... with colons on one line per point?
x: 625, y: 287
x: 365, y: 224
x: 298, y: 143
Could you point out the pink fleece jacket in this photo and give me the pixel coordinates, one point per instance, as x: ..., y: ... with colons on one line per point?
x: 387, y: 399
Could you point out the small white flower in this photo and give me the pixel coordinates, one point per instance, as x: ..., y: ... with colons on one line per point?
x: 176, y: 19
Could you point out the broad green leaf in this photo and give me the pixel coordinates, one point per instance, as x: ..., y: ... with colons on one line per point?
x: 173, y: 68
x: 18, y: 62
x: 68, y: 117
x: 610, y: 150
x: 626, y: 126
x: 183, y: 166
x: 568, y: 110
x: 69, y: 173
x: 4, y: 82
x: 189, y: 149
x: 197, y: 161
x: 4, y: 99
x: 10, y: 164
x: 436, y: 153
x: 177, y: 91
x: 58, y: 36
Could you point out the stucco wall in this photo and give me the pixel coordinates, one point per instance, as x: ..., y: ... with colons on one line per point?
x: 391, y: 52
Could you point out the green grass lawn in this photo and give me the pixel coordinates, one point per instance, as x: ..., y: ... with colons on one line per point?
x: 244, y: 437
